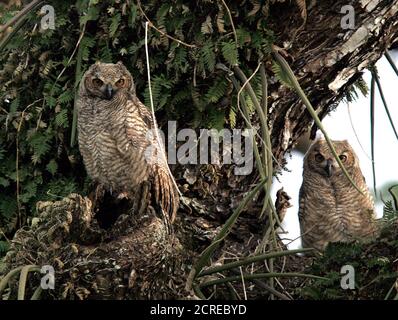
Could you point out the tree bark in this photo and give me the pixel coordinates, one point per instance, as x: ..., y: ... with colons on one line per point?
x: 326, y: 60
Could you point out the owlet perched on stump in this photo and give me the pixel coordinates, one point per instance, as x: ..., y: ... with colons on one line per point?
x: 331, y: 209
x: 117, y: 150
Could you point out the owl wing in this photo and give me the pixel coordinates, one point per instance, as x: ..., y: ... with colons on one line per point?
x: 301, y: 205
x: 302, y: 215
x: 166, y: 194
x: 162, y: 184
x: 144, y: 113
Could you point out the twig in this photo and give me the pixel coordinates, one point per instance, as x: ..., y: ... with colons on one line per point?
x: 268, y: 288
x: 261, y: 276
x: 162, y: 151
x: 383, y: 99
x: 246, y: 83
x: 17, y: 158
x: 245, y: 114
x: 72, y: 55
x: 372, y: 124
x: 297, y: 87
x: 149, y: 22
x: 243, y: 283
x: 4, y: 235
x: 232, y: 23
x: 250, y: 260
x: 20, y: 14
x: 355, y: 132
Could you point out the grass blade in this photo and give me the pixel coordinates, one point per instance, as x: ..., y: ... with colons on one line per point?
x: 392, y: 64
x: 250, y: 260
x: 260, y: 276
x: 23, y: 279
x: 36, y: 295
x: 394, y: 193
x: 372, y: 128
x: 6, y: 279
x: 385, y: 104
x: 286, y: 68
x: 78, y: 74
x: 226, y: 229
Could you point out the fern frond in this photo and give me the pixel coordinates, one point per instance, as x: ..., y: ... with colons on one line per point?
x: 281, y: 75
x: 232, y: 117
x: 61, y: 119
x: 115, y: 23
x: 230, y: 52
x: 208, y: 56
x: 66, y: 97
x: 217, y: 91
x: 52, y: 167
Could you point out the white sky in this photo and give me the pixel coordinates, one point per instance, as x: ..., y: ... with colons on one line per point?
x: 338, y: 126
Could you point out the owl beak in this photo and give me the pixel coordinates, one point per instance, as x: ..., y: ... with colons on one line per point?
x: 329, y: 168
x: 109, y: 92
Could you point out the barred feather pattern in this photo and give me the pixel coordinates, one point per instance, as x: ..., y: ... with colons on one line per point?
x: 330, y: 208
x: 119, y: 151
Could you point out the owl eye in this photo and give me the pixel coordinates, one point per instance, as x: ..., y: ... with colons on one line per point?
x: 120, y: 83
x: 319, y: 157
x: 98, y: 82
x: 343, y: 158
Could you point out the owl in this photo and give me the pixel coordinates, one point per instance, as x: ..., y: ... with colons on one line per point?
x: 117, y: 140
x: 330, y: 208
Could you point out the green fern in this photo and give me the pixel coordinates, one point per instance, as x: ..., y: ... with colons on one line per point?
x: 230, y: 52
x: 86, y: 44
x: 115, y: 23
x: 185, y: 83
x: 14, y: 105
x: 232, y: 117
x: 161, y: 15
x: 4, y: 246
x: 217, y: 91
x: 208, y: 57
x: 160, y: 91
x: 216, y: 119
x: 389, y: 212
x: 92, y: 14
x: 61, y: 119
x: 52, y: 167
x: 281, y: 75
x: 8, y: 206
x: 362, y: 86
x: 40, y: 143
x: 28, y: 191
x: 66, y: 97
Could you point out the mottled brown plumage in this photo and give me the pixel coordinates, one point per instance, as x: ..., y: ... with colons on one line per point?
x: 118, y: 150
x: 331, y: 209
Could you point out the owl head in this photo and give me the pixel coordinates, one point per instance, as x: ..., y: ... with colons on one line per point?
x: 320, y: 159
x: 104, y: 80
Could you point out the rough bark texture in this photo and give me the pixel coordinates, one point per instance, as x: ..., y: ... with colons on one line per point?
x: 327, y: 59
x: 135, y: 258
